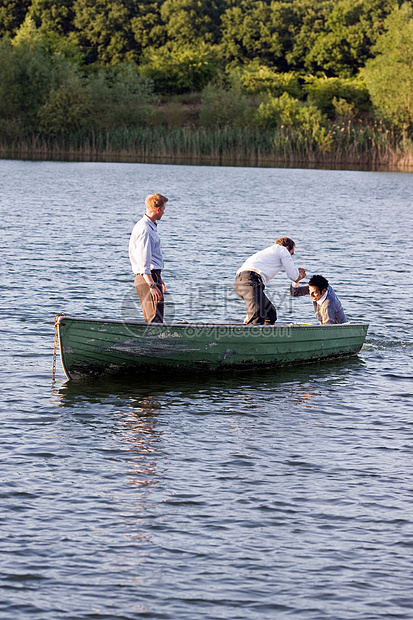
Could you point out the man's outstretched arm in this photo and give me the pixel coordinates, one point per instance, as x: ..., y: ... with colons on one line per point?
x: 299, y: 291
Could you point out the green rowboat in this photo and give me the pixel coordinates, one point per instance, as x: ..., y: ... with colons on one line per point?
x: 90, y: 347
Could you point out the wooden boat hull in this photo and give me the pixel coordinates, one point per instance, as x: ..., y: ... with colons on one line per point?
x: 90, y: 347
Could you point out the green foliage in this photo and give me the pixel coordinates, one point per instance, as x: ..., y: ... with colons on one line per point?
x: 103, y: 30
x: 12, y: 15
x: 42, y: 90
x: 49, y: 40
x: 301, y: 22
x: 249, y: 31
x: 350, y: 32
x: 192, y: 21
x: 343, y: 109
x: 148, y: 30
x: 289, y: 112
x: 109, y: 98
x: 223, y: 105
x: 179, y: 71
x: 175, y: 113
x: 120, y: 96
x: 279, y: 67
x: 256, y: 78
x: 27, y: 74
x: 325, y: 93
x: 66, y: 108
x: 53, y: 16
x: 343, y: 143
x: 389, y: 76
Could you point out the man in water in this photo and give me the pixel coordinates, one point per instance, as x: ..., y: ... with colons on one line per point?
x: 147, y: 261
x: 257, y: 271
x: 327, y: 306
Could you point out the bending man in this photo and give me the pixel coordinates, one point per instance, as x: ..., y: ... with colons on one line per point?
x: 147, y: 261
x: 257, y: 271
x: 327, y: 306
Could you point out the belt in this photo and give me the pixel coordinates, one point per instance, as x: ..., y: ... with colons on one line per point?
x: 251, y: 271
x: 155, y: 271
x: 255, y: 271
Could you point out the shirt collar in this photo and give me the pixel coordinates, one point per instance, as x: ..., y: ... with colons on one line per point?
x: 150, y: 221
x: 320, y: 301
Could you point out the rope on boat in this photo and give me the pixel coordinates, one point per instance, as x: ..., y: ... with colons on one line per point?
x: 56, y: 336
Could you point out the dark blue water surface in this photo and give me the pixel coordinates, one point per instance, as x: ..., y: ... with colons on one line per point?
x: 285, y: 494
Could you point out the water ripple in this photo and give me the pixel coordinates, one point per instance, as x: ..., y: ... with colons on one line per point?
x: 246, y: 497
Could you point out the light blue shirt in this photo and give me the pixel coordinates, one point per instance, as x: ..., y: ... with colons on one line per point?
x: 328, y: 309
x: 145, y: 247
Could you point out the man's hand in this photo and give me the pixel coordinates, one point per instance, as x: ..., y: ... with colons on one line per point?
x: 302, y: 274
x: 156, y: 294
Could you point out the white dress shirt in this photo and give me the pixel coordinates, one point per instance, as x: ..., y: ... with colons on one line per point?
x: 270, y: 261
x: 145, y: 247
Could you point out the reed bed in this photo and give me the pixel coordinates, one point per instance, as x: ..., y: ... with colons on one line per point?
x: 344, y: 144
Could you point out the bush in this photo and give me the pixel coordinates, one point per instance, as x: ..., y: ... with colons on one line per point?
x: 287, y: 111
x: 67, y: 108
x: 344, y: 111
x: 179, y: 71
x: 27, y: 75
x: 256, y: 78
x: 323, y: 91
x: 390, y: 74
x: 119, y: 96
x: 223, y: 106
x: 306, y: 122
x: 108, y: 98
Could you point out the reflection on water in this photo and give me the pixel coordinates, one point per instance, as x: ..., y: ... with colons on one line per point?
x: 302, y: 394
x: 137, y: 428
x: 137, y: 411
x: 143, y: 405
x: 141, y: 436
x: 131, y: 416
x: 144, y: 392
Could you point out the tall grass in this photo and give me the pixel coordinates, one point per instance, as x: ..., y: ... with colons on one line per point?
x: 345, y: 144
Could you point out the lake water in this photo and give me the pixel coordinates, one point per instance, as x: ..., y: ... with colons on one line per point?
x: 243, y: 497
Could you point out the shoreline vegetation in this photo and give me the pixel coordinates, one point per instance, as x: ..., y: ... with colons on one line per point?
x: 361, y: 148
x: 308, y: 83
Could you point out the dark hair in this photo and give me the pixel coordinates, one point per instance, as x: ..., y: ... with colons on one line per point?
x: 286, y: 242
x: 319, y: 281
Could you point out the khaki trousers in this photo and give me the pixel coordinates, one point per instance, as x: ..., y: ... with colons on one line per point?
x: 152, y: 310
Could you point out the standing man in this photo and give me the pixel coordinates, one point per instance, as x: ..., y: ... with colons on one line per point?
x: 327, y: 306
x: 146, y: 259
x: 257, y: 271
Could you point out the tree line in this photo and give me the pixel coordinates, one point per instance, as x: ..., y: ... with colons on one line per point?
x: 317, y: 70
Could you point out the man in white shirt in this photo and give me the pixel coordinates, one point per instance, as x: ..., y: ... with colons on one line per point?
x: 147, y: 261
x: 257, y: 271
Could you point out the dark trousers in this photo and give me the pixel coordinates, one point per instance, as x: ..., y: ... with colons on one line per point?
x: 250, y: 287
x: 152, y: 310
